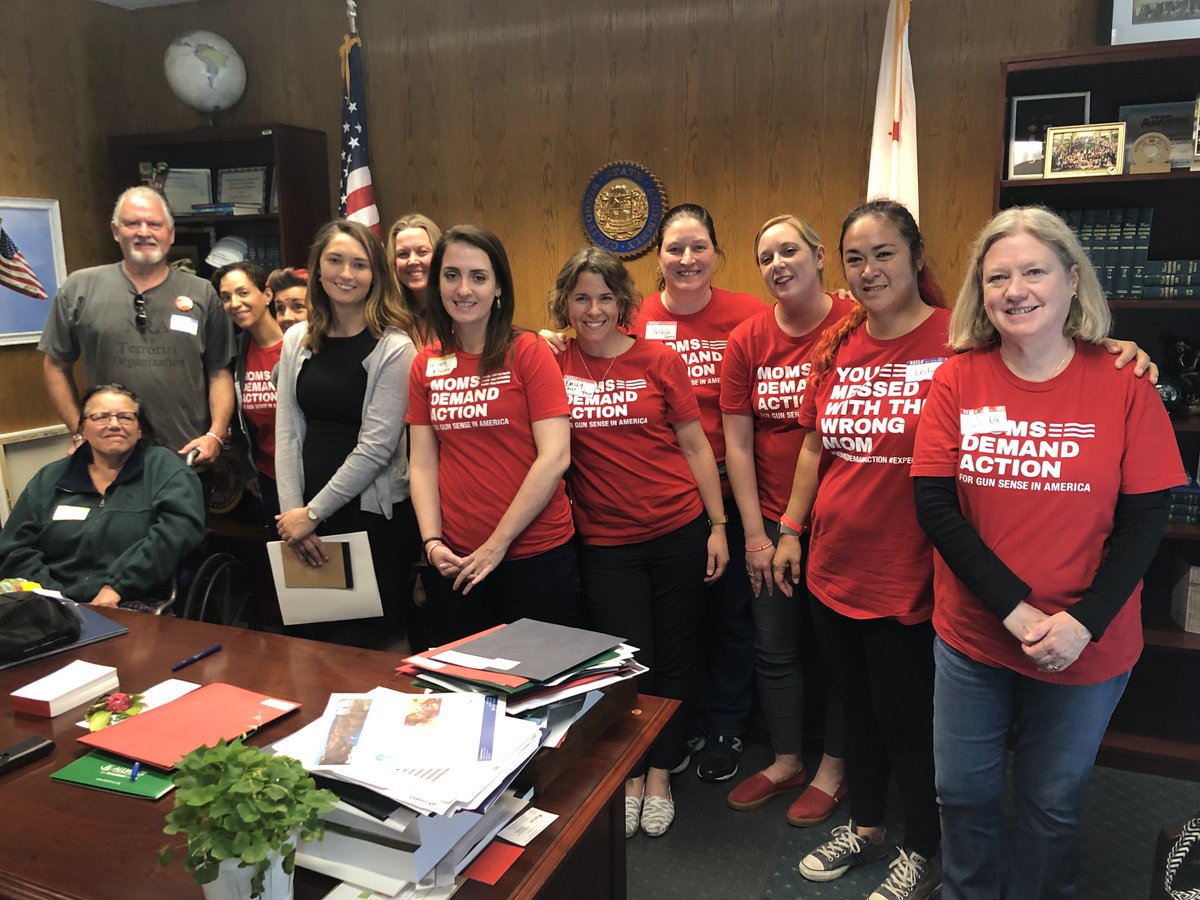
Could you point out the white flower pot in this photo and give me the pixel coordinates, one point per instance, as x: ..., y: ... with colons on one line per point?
x: 233, y: 882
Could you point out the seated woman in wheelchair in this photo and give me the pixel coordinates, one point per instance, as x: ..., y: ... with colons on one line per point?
x: 111, y: 523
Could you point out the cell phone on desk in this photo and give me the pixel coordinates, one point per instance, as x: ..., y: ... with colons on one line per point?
x: 23, y: 752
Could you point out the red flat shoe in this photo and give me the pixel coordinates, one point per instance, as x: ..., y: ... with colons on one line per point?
x: 758, y: 789
x: 814, y: 806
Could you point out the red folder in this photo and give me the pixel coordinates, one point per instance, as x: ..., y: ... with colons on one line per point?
x: 480, y: 675
x: 165, y: 734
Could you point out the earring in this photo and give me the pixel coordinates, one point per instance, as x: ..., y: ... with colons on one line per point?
x: 497, y: 302
x: 1075, y: 297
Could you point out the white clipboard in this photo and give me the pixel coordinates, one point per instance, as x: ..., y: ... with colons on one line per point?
x: 299, y: 606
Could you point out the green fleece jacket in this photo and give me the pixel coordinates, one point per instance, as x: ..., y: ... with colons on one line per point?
x: 66, y: 535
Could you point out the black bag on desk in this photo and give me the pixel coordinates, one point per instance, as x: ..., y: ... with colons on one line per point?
x: 31, y: 623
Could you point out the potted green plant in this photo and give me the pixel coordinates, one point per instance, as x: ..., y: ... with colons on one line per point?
x: 242, y: 809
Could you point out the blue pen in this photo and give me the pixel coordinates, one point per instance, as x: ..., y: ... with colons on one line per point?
x: 135, y: 771
x: 207, y: 651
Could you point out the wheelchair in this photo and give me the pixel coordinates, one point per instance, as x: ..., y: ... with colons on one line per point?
x: 210, y: 587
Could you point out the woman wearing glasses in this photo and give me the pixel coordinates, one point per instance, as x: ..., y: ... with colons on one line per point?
x: 114, y: 520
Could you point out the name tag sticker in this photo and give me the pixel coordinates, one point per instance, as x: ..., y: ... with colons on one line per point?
x: 70, y: 513
x: 186, y: 324
x: 579, y: 386
x: 921, y: 369
x: 986, y: 420
x: 660, y: 331
x: 440, y: 365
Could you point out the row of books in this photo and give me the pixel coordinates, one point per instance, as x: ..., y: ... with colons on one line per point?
x: 1117, y: 241
x: 265, y: 252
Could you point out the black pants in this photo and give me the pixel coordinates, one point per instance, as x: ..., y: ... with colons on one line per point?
x: 543, y: 587
x: 886, y: 672
x: 652, y: 594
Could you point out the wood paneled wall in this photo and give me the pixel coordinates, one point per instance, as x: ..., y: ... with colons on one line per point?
x: 500, y: 112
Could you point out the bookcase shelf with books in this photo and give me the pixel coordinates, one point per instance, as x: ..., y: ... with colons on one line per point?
x: 289, y: 162
x: 1141, y: 233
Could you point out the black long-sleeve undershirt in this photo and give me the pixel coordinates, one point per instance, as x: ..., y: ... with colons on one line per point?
x: 1138, y: 524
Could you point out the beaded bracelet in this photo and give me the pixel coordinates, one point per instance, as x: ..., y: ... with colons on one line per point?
x: 767, y: 546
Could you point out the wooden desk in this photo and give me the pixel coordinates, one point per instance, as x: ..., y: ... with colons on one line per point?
x: 61, y: 840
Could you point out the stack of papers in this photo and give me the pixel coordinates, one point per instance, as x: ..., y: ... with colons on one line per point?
x: 532, y: 664
x: 423, y: 781
x: 432, y: 753
x: 72, y: 685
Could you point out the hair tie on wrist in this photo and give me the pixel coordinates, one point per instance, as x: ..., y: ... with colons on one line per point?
x: 214, y: 437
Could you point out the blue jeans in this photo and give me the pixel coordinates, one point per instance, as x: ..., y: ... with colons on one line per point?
x: 1059, y: 727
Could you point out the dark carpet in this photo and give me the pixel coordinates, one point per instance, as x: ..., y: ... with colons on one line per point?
x: 713, y: 852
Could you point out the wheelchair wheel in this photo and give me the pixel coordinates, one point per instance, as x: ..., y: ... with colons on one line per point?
x: 220, y: 593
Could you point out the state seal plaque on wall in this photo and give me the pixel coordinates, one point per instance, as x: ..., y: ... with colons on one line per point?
x: 622, y: 208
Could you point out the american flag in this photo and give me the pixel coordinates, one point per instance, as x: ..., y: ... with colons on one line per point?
x: 357, y: 192
x: 15, y: 271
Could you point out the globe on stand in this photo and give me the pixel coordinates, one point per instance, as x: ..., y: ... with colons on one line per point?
x: 205, y: 71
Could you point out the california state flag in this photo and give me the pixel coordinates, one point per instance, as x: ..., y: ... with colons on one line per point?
x: 893, y: 171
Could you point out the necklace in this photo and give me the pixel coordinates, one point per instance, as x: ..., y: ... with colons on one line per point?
x: 589, y: 371
x: 1062, y: 365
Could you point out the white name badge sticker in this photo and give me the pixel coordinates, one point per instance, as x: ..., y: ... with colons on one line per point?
x: 70, y: 513
x: 440, y: 365
x: 921, y: 369
x: 660, y: 331
x: 186, y: 324
x: 579, y: 386
x: 987, y: 420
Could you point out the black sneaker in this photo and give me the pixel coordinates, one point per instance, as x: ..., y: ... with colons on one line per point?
x: 834, y: 858
x: 720, y: 759
x: 912, y: 877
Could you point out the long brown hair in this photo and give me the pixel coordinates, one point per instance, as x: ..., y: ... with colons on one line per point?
x: 384, y: 308
x: 498, y: 337
x: 927, y: 285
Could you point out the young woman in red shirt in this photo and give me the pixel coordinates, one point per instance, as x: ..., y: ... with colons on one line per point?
x: 490, y: 438
x: 763, y: 380
x: 643, y: 480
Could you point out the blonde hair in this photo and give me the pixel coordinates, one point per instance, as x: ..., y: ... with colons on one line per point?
x: 1088, y: 318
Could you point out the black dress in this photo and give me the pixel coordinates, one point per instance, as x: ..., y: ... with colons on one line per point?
x: 330, y: 389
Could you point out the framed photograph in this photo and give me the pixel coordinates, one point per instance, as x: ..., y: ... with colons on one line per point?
x: 32, y: 266
x: 1195, y: 167
x: 1079, y: 151
x: 1138, y: 21
x: 1031, y: 116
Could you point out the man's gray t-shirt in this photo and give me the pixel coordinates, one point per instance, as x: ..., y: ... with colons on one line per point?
x: 187, y: 337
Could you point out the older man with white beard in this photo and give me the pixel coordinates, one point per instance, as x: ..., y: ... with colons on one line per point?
x: 159, y: 331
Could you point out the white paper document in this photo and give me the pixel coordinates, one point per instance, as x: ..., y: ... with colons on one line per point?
x: 299, y: 606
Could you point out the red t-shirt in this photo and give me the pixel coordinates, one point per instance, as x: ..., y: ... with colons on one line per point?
x: 258, y: 402
x: 1039, y: 468
x: 484, y: 427
x: 869, y: 558
x: 764, y: 376
x: 700, y: 340
x: 629, y: 480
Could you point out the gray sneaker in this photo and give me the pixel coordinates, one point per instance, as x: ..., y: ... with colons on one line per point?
x: 912, y: 877
x: 834, y: 858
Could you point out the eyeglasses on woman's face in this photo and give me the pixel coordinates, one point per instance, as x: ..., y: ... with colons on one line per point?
x: 125, y: 418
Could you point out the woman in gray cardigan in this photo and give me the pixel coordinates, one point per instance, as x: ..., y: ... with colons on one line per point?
x: 340, y: 454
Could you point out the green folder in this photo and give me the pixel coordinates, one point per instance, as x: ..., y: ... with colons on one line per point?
x: 111, y: 773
